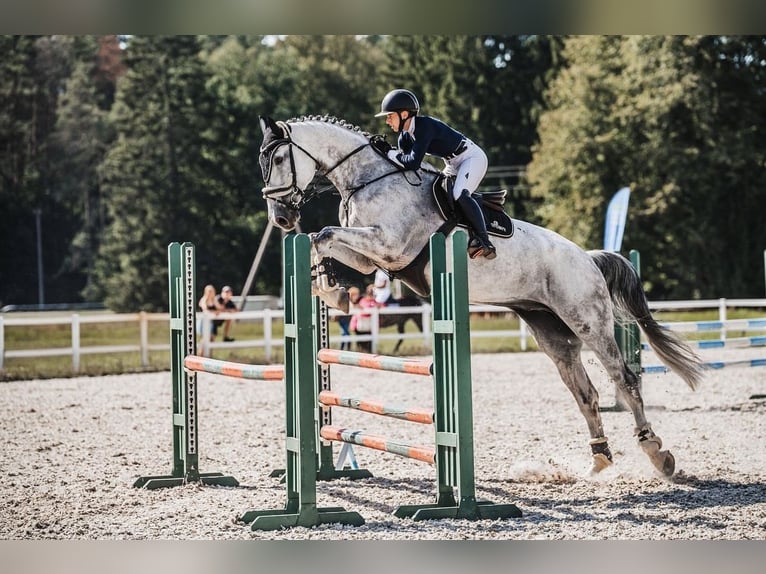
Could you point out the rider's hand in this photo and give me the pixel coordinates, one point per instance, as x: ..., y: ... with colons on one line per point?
x: 381, y: 145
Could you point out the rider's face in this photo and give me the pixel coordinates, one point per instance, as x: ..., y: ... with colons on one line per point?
x: 393, y: 121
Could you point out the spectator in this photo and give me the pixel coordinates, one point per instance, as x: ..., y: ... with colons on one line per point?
x: 344, y: 321
x: 227, y: 306
x: 382, y: 288
x: 208, y: 303
x: 361, y: 324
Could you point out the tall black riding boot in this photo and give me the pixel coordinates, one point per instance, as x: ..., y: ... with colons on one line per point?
x: 479, y: 244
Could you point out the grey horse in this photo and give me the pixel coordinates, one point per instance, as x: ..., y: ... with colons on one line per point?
x: 568, y: 297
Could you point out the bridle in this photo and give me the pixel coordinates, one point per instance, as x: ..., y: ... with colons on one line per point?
x: 292, y: 196
x: 297, y: 197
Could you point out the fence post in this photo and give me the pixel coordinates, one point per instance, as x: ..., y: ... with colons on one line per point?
x: 374, y: 329
x: 207, y: 329
x: 76, y: 342
x: 522, y: 335
x: 267, y: 333
x: 144, y: 330
x: 453, y: 408
x: 722, y: 316
x: 629, y: 341
x: 2, y: 342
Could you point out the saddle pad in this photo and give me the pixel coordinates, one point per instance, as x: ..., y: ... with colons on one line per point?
x: 497, y: 220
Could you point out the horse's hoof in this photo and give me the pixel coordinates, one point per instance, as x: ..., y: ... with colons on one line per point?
x: 600, y: 462
x: 337, y: 299
x: 662, y: 460
x: 665, y: 462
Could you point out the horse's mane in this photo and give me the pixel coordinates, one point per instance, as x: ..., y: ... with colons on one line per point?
x: 351, y: 127
x: 332, y: 120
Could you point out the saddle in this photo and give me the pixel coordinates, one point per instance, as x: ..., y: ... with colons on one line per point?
x: 498, y: 221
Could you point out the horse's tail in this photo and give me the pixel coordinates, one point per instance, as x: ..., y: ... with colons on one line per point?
x: 630, y: 303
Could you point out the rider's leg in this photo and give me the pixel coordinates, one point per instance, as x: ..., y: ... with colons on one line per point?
x: 480, y: 244
x: 469, y: 168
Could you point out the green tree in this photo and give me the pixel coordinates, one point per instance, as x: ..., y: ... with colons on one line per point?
x: 675, y: 119
x: 291, y: 77
x: 33, y: 72
x: 242, y: 88
x: 488, y: 87
x: 156, y: 181
x: 80, y: 143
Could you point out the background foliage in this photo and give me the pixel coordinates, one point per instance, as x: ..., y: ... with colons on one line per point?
x: 126, y: 144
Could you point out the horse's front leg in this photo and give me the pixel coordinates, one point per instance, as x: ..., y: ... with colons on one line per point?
x: 361, y: 248
x: 340, y: 244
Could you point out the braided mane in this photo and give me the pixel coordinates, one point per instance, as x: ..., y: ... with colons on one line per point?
x: 332, y: 120
x: 426, y: 167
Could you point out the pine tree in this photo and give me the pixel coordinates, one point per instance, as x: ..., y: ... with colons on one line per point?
x: 155, y: 179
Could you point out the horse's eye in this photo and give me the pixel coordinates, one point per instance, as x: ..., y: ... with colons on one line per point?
x: 278, y: 160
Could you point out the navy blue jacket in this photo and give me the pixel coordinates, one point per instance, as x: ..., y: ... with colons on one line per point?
x: 432, y: 137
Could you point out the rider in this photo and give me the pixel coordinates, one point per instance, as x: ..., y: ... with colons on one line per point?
x: 421, y: 135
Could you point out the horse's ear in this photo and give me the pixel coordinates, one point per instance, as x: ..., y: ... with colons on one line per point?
x: 270, y: 127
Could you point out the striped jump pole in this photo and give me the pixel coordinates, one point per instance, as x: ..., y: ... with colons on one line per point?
x: 377, y: 362
x: 327, y: 469
x: 735, y: 342
x: 421, y: 453
x: 231, y: 369
x: 421, y: 416
x: 731, y: 324
x: 183, y: 303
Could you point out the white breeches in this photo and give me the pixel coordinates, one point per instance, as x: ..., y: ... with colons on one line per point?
x: 469, y: 168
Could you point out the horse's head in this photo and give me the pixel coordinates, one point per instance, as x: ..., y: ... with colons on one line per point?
x: 287, y: 170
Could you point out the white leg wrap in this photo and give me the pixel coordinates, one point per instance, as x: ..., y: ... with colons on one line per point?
x: 651, y: 444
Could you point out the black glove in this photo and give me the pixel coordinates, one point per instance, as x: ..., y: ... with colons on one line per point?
x: 381, y: 145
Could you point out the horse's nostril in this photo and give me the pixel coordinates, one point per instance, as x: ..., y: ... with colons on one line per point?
x: 282, y: 222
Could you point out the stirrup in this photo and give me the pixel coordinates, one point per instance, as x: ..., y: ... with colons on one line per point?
x: 479, y: 248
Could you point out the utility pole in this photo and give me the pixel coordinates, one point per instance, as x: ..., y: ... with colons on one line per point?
x: 40, y: 286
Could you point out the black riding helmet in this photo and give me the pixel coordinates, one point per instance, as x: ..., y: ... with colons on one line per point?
x: 398, y: 101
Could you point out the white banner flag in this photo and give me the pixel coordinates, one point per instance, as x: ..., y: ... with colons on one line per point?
x: 616, y: 216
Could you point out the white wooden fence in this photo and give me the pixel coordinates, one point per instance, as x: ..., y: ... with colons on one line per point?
x: 268, y: 316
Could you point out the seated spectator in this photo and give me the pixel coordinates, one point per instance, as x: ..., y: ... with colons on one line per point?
x: 228, y: 306
x: 208, y: 303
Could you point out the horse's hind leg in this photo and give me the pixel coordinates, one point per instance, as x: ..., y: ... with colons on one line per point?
x: 557, y: 341
x: 628, y: 385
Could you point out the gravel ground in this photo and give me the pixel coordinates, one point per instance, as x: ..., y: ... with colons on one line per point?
x: 72, y: 448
